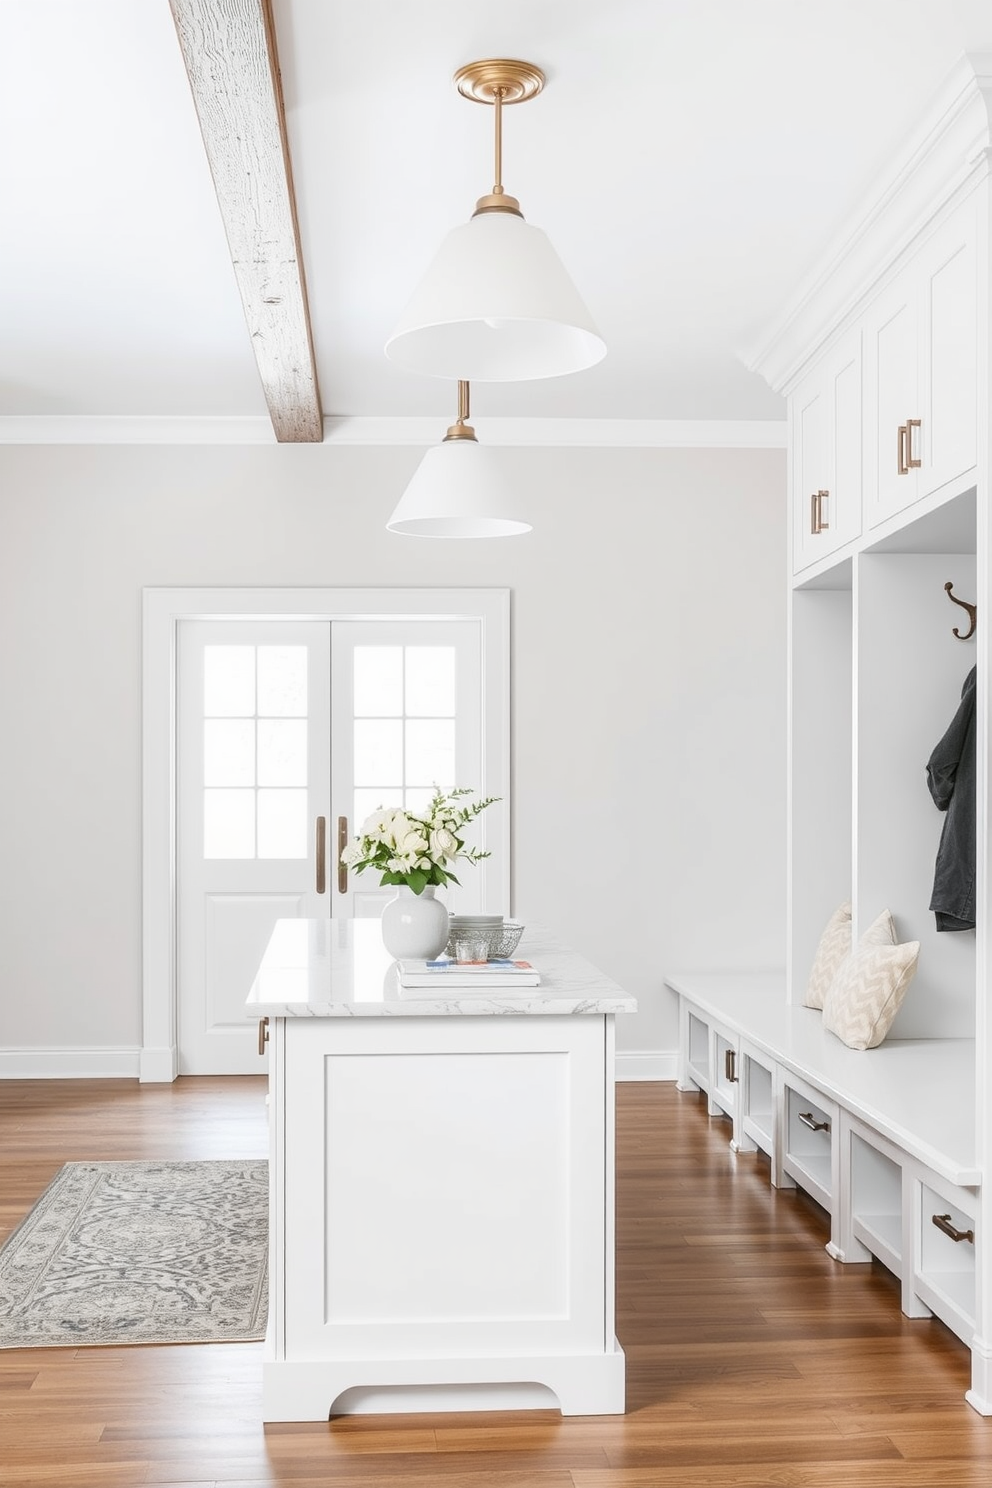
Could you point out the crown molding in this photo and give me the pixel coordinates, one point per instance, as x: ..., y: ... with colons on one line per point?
x: 575, y: 433
x: 946, y: 153
x: 523, y: 433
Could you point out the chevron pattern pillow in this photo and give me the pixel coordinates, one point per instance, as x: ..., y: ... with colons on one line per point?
x: 869, y: 987
x: 834, y: 947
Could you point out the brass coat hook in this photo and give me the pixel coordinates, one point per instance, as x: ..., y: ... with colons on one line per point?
x: 971, y: 608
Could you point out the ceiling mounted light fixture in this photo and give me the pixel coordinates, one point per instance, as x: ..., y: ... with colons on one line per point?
x: 458, y: 489
x: 496, y: 305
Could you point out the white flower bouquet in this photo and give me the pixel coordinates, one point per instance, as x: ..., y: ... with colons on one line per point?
x: 417, y: 850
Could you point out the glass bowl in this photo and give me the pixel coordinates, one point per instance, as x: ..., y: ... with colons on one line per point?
x: 501, y: 939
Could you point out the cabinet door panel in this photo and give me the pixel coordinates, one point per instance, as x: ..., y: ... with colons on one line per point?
x: 892, y: 397
x: 446, y: 1187
x: 810, y: 473
x: 827, y: 459
x: 949, y: 288
x: 844, y: 388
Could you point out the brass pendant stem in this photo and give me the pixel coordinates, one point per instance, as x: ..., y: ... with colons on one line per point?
x: 461, y: 428
x: 498, y: 81
x: 498, y: 110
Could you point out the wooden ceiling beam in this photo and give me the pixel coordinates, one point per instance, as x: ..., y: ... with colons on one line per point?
x: 229, y: 48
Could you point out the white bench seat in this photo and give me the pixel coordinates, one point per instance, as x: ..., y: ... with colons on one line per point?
x: 899, y: 1089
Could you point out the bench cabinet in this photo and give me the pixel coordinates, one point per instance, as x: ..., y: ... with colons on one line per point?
x: 899, y: 1184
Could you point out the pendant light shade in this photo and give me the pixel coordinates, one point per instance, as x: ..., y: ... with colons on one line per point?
x: 459, y: 489
x: 496, y: 304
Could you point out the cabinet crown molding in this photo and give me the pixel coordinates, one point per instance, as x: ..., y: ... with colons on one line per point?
x: 949, y: 150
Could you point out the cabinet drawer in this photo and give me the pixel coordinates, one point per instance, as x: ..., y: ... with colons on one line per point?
x: 723, y: 1089
x: 809, y: 1123
x: 944, y: 1274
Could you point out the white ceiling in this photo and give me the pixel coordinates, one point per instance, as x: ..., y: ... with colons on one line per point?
x: 689, y: 160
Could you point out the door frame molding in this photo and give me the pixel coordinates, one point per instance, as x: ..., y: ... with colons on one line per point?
x: 162, y: 610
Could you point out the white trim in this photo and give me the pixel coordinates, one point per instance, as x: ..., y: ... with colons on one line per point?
x: 158, y: 1066
x: 43, y: 428
x: 657, y: 1064
x: 532, y: 433
x: 162, y: 610
x: 150, y: 1065
x: 69, y: 1064
x: 575, y: 433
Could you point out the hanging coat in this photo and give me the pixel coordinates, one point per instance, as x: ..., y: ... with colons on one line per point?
x: 951, y: 772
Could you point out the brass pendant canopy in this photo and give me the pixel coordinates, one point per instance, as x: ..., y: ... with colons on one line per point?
x: 511, y: 81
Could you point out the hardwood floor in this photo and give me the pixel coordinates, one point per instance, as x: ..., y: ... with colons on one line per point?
x: 752, y: 1358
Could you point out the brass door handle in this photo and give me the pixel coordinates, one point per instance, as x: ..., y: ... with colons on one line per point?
x: 807, y: 1119
x: 342, y: 844
x: 816, y: 520
x: 901, y: 441
x: 943, y: 1223
x: 321, y: 854
x: 263, y: 1034
x: 912, y: 424
x: 730, y: 1066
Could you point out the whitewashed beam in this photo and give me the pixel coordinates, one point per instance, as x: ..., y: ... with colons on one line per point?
x: 229, y: 48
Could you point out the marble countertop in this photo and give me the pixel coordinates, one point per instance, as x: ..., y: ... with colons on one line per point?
x: 340, y: 969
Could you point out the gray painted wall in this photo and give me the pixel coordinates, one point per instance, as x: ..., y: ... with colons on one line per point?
x: 649, y: 625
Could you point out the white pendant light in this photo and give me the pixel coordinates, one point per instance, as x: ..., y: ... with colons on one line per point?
x: 458, y: 489
x: 496, y: 305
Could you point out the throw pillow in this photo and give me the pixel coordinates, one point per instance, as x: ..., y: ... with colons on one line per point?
x: 835, y: 944
x: 869, y: 987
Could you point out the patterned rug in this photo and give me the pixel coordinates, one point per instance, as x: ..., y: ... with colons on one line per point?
x: 139, y: 1252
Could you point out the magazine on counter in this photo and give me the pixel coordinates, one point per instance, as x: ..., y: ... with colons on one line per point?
x: 483, y: 975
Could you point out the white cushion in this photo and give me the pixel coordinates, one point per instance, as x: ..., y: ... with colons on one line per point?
x: 870, y: 985
x: 834, y: 947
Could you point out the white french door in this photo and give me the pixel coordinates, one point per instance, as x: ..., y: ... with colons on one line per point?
x: 289, y: 734
x: 409, y: 699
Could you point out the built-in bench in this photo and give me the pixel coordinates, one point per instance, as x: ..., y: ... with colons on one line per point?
x: 873, y: 1136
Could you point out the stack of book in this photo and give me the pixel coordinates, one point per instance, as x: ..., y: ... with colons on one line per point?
x: 477, y: 976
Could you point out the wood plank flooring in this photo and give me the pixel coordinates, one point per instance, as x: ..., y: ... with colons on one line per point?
x: 753, y: 1360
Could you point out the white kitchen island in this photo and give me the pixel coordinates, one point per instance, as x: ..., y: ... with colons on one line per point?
x: 441, y: 1183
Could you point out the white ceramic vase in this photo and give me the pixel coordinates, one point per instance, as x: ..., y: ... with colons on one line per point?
x: 414, y: 926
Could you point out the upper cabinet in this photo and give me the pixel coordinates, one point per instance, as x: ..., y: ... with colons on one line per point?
x: 826, y: 416
x: 920, y: 373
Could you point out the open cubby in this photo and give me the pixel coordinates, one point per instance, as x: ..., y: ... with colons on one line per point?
x: 876, y: 1202
x: 821, y: 754
x: 910, y: 670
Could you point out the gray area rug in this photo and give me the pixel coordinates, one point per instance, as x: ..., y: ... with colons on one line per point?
x: 139, y: 1252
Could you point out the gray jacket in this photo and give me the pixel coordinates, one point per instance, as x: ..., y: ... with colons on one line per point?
x: 951, y: 777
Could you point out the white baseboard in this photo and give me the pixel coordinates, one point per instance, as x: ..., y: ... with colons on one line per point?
x: 159, y: 1065
x: 69, y: 1064
x: 660, y: 1064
